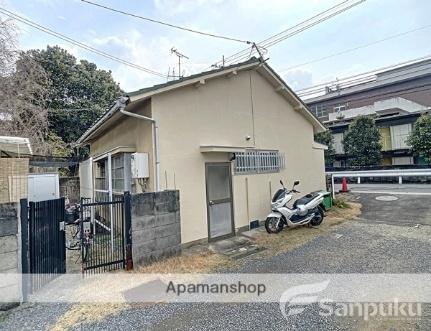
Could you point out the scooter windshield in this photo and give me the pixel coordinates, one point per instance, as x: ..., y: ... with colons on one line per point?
x: 278, y: 195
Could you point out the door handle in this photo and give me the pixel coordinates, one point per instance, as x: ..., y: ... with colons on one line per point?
x: 211, y: 202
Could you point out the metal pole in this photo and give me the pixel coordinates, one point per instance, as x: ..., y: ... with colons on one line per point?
x: 24, y: 248
x: 128, y: 230
x: 333, y: 186
x: 247, y: 201
x: 110, y: 199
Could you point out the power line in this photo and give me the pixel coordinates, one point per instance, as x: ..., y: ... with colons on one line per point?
x: 323, y: 19
x: 77, y: 43
x: 300, y: 27
x: 355, y: 48
x: 167, y: 24
x: 243, y: 52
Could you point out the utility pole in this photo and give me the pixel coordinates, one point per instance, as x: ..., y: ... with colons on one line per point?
x: 258, y: 51
x: 180, y: 56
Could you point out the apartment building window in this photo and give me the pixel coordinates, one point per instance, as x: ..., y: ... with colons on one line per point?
x: 399, y: 135
x: 253, y: 162
x: 340, y: 107
x: 319, y: 110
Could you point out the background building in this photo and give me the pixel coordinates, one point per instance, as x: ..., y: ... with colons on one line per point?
x: 396, y: 96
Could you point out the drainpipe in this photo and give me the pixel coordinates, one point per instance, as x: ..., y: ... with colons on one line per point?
x: 122, y: 102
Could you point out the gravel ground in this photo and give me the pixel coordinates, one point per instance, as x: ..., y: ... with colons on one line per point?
x: 354, y: 247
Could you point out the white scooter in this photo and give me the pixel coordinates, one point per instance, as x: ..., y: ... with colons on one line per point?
x: 306, y: 210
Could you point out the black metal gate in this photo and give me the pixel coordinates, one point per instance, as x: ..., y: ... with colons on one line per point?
x: 105, y: 234
x: 46, y: 242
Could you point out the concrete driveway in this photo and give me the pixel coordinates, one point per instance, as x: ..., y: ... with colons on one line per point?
x: 384, y: 240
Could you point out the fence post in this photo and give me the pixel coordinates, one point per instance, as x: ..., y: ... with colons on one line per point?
x: 333, y: 186
x: 128, y: 230
x: 24, y: 248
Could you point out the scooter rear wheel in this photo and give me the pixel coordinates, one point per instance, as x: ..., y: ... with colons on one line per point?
x: 273, y: 225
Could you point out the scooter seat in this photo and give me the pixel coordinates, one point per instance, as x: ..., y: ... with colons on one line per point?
x: 305, y: 199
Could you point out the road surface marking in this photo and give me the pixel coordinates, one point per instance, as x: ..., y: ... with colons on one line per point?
x: 391, y: 192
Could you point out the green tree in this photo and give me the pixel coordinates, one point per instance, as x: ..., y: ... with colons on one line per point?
x: 79, y: 92
x: 362, y: 142
x: 420, y: 137
x: 326, y: 138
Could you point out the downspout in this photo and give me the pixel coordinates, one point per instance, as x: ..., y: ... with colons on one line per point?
x: 122, y: 103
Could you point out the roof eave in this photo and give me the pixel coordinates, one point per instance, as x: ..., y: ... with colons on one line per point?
x: 299, y: 105
x: 193, y: 81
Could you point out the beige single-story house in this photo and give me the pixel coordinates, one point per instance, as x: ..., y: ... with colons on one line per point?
x: 223, y: 138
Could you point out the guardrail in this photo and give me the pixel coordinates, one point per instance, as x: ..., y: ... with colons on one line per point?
x: 400, y: 173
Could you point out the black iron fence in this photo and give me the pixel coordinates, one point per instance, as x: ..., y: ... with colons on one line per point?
x: 105, y: 233
x: 47, y: 250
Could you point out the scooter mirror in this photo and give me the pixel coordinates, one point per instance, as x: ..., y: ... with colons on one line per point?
x: 281, y: 182
x: 296, y: 182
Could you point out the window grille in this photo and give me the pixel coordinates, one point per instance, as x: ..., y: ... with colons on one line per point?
x: 256, y: 162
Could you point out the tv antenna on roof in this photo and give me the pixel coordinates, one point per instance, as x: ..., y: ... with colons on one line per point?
x: 180, y: 56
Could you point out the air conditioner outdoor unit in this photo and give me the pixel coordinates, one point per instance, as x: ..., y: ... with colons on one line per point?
x: 139, y: 164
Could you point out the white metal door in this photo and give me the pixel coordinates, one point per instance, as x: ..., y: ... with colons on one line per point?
x: 219, y: 200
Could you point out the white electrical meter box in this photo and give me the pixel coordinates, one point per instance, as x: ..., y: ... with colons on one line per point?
x: 139, y: 164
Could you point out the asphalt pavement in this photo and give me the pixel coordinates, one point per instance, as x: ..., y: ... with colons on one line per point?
x: 386, y: 239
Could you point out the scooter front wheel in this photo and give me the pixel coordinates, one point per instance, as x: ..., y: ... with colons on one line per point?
x: 273, y: 225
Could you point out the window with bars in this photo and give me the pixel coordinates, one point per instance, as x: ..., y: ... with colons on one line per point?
x: 256, y: 162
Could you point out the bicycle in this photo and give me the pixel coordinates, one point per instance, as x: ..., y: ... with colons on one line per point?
x: 73, y: 226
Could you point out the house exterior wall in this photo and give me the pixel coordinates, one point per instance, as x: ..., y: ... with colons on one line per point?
x: 129, y: 132
x: 222, y: 112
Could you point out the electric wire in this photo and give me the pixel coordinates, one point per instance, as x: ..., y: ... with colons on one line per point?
x: 355, y: 48
x: 167, y: 24
x: 281, y: 36
x: 77, y: 43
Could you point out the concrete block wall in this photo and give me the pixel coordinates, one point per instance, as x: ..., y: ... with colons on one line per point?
x: 10, y: 288
x: 156, y: 226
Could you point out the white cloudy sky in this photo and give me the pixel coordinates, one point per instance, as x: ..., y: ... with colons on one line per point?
x: 149, y: 45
